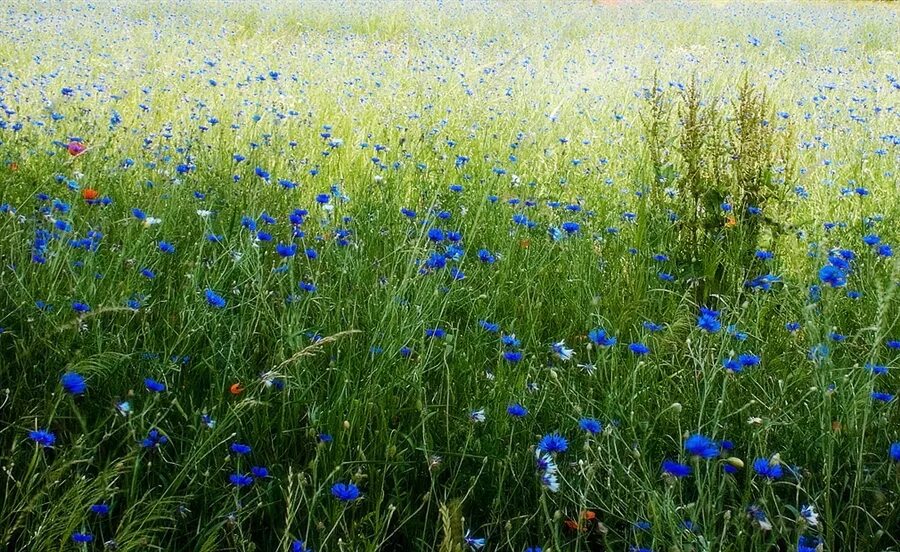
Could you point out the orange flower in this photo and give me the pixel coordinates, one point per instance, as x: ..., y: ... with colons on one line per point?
x: 89, y: 194
x: 730, y: 221
x: 525, y: 244
x: 236, y: 388
x: 586, y: 519
x: 13, y: 167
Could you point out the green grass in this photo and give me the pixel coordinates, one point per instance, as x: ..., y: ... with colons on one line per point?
x: 430, y: 82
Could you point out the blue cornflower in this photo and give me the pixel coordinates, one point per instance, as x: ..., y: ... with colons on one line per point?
x: 561, y: 351
x: 516, y: 410
x: 345, y: 492
x: 248, y: 222
x: 437, y: 333
x: 240, y: 479
x: 214, y: 299
x: 73, y: 383
x: 702, y: 446
x: 510, y: 340
x: 154, y: 386
x: 808, y: 544
x: 770, y: 469
x: 600, y: 338
x: 833, y: 276
x: 570, y: 227
x: 259, y: 472
x: 709, y: 320
x: 639, y: 349
x: 286, y: 249
x: 590, y: 425
x: 674, y: 469
x: 298, y: 546
x: 485, y: 256
x: 749, y: 360
x: 819, y: 351
x: 82, y: 537
x: 80, y: 307
x: 512, y: 356
x: 894, y: 451
x: 871, y: 239
x: 154, y: 439
x: 240, y: 448
x: 207, y: 421
x: 553, y: 442
x: 735, y: 333
x: 733, y: 365
x: 809, y: 514
x: 882, y: 396
x: 436, y: 235
x: 757, y: 514
x: 876, y: 369
x: 763, y: 282
x: 475, y: 543
x: 42, y: 437
x: 308, y: 287
x: 489, y: 326
x: 100, y: 509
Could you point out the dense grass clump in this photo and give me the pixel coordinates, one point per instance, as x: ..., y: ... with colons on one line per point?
x: 449, y: 276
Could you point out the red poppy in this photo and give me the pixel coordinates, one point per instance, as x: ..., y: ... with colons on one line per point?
x: 76, y: 148
x: 89, y: 194
x: 584, y: 523
x: 236, y: 388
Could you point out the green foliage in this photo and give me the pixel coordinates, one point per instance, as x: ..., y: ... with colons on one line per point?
x: 540, y: 98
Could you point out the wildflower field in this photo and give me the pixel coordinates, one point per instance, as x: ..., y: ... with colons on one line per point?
x: 449, y: 275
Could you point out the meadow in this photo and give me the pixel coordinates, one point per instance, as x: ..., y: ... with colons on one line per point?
x: 449, y: 275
